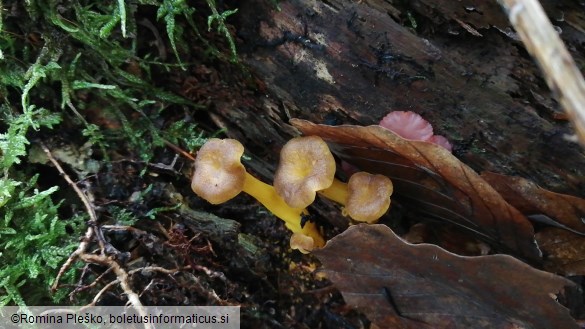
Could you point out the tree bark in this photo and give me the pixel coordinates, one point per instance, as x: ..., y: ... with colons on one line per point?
x: 351, y: 62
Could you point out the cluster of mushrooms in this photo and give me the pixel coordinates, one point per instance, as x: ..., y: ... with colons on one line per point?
x: 306, y: 167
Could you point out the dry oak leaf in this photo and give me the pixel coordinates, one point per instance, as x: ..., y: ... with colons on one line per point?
x: 433, y: 182
x: 400, y: 285
x: 564, y: 248
x: 530, y: 199
x: 564, y: 251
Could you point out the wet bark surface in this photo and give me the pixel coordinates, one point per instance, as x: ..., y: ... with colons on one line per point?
x: 460, y: 67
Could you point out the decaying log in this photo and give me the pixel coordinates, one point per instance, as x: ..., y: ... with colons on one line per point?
x: 545, y: 45
x: 353, y: 61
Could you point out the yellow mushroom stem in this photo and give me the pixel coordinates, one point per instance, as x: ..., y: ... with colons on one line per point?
x: 337, y: 192
x: 266, y: 194
x: 365, y: 197
x: 219, y: 176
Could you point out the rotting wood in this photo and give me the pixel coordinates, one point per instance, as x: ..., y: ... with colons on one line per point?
x: 348, y: 62
x: 220, y: 230
x: 543, y: 42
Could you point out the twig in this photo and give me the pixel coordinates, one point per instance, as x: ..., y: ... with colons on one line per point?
x: 80, y: 253
x: 159, y: 269
x: 179, y: 150
x: 197, y: 283
x: 151, y: 283
x: 131, y: 229
x: 82, y: 196
x: 91, y: 285
x: 122, y: 278
x: 132, y: 272
x: 543, y: 43
x: 90, y: 210
x: 100, y: 293
x: 73, y: 257
x: 210, y: 294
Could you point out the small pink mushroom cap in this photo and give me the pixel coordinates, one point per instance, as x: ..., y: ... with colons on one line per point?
x: 408, y: 125
x: 441, y: 141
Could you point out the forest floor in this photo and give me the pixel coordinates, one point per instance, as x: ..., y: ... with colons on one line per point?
x: 122, y: 110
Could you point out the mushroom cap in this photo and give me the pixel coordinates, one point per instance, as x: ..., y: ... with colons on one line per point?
x: 301, y: 242
x: 408, y: 125
x: 441, y: 141
x: 306, y: 166
x: 369, y: 196
x: 219, y: 174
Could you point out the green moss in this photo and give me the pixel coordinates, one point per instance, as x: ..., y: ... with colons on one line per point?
x: 60, y: 62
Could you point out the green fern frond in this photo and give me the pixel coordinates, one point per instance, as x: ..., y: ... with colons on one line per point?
x: 220, y: 19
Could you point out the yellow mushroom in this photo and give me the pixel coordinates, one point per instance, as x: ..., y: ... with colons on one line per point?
x: 366, y: 197
x: 306, y: 166
x: 219, y: 176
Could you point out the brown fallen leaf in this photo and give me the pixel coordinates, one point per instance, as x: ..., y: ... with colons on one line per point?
x: 432, y: 182
x: 531, y: 199
x: 399, y: 285
x: 564, y: 251
x: 564, y: 248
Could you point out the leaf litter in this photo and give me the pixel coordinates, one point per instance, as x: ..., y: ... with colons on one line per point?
x: 433, y: 181
x: 400, y: 285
